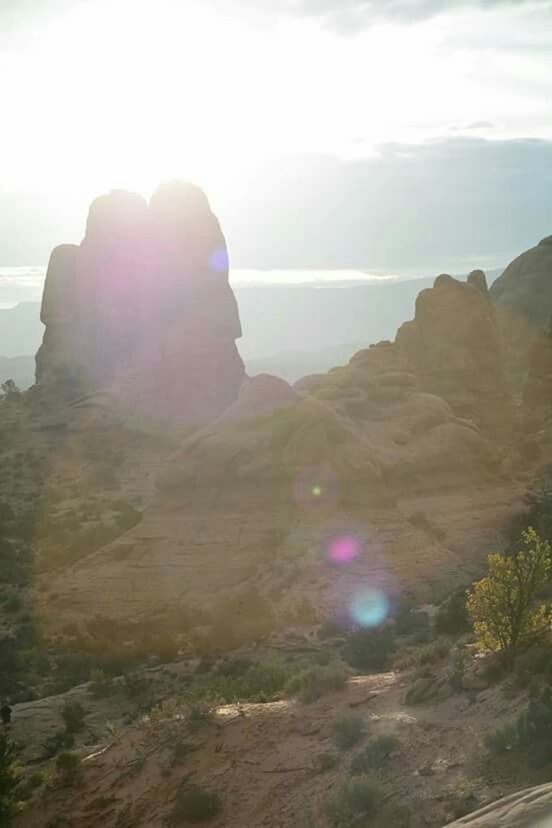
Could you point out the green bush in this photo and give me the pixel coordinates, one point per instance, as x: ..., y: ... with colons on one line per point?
x: 73, y: 714
x: 60, y: 739
x: 452, y: 616
x: 101, y: 685
x: 349, y: 731
x: 181, y: 751
x: 324, y: 762
x: 193, y: 804
x: 8, y: 779
x: 360, y: 797
x: 312, y: 683
x: 433, y: 653
x: 374, y: 755
x: 416, y: 626
x: 370, y: 649
x: 199, y: 716
x: 530, y: 733
x: 68, y: 768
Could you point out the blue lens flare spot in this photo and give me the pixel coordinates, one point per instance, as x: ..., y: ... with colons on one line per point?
x: 369, y: 608
x: 218, y: 260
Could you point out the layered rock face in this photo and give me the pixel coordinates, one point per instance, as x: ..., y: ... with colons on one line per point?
x: 537, y: 395
x: 523, y: 298
x: 454, y: 348
x: 525, y: 287
x: 143, y: 307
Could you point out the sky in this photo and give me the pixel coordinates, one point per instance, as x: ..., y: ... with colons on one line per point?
x: 327, y: 133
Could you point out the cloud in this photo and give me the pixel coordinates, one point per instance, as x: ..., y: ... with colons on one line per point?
x: 349, y: 16
x: 413, y: 206
x: 480, y: 125
x: 346, y: 16
x: 426, y: 207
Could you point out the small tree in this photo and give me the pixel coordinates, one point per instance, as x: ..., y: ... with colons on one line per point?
x: 8, y: 779
x: 10, y: 391
x: 502, y: 605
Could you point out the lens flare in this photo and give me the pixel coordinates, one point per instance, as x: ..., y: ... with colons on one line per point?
x: 369, y: 608
x: 315, y: 489
x: 343, y: 549
x: 218, y: 260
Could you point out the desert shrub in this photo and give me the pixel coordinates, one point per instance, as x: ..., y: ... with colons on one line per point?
x: 134, y: 684
x: 100, y: 684
x: 312, y: 683
x: 8, y: 779
x: 359, y: 797
x: 324, y: 762
x: 14, y: 603
x: 531, y: 732
x: 349, y: 731
x: 199, y: 716
x: 10, y: 391
x: 330, y: 628
x: 502, y: 605
x: 68, y: 768
x: 73, y: 714
x: 538, y: 514
x: 465, y: 800
x: 26, y: 787
x: 181, y: 751
x: 433, y: 653
x: 260, y: 681
x: 457, y: 670
x: 193, y: 804
x: 374, y: 755
x: 452, y: 616
x: 370, y: 649
x: 61, y: 739
x: 413, y: 624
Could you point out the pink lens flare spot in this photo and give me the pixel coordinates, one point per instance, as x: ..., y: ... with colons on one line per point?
x: 343, y: 549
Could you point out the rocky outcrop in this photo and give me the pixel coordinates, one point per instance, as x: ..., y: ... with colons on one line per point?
x: 537, y: 395
x: 523, y: 298
x: 524, y: 291
x: 454, y: 349
x: 143, y: 307
x: 531, y: 808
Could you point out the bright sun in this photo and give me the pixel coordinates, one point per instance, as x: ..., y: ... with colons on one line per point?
x: 127, y: 92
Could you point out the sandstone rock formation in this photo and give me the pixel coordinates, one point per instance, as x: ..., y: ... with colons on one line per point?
x: 531, y: 808
x: 249, y: 503
x: 143, y: 307
x: 523, y: 298
x: 453, y: 346
x: 537, y: 394
x: 525, y: 288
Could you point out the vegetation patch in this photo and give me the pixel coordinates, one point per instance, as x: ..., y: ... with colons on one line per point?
x: 374, y: 755
x: 312, y: 683
x: 370, y: 649
x: 349, y: 731
x: 194, y: 804
x: 360, y: 797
